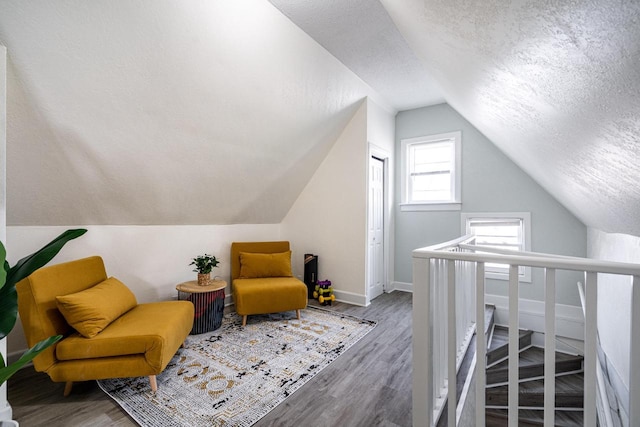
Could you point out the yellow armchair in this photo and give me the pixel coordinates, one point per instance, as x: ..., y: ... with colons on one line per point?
x: 262, y: 281
x: 112, y: 336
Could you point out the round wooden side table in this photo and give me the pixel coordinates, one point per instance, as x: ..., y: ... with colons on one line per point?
x: 208, y: 303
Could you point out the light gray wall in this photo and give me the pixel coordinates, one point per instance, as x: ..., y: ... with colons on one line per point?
x: 491, y: 182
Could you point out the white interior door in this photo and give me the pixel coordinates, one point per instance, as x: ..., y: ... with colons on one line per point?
x: 376, y: 227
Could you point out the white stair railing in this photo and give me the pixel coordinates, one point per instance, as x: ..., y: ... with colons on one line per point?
x: 436, y: 307
x: 448, y: 277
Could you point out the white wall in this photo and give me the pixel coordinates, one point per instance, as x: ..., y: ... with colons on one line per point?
x: 5, y: 409
x: 3, y: 142
x: 151, y: 260
x: 614, y: 308
x: 381, y: 126
x: 109, y: 99
x: 329, y: 217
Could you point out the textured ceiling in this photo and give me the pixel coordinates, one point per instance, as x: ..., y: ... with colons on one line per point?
x: 362, y: 36
x: 146, y: 112
x: 555, y: 85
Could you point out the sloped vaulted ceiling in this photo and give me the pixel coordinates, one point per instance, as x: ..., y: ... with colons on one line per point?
x: 172, y: 112
x: 554, y: 84
x: 215, y: 111
x: 362, y: 36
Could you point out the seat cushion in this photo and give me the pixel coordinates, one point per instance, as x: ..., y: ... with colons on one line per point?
x: 257, y: 265
x: 268, y: 295
x: 91, y: 310
x: 154, y: 329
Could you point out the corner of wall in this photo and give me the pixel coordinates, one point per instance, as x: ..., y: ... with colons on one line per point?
x: 328, y: 218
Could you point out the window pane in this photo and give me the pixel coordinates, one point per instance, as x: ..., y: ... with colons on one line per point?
x: 431, y: 166
x: 431, y: 187
x: 430, y: 196
x: 436, y: 182
x: 498, y: 233
x: 432, y: 157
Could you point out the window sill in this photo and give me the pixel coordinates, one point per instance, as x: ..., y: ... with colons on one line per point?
x: 418, y: 207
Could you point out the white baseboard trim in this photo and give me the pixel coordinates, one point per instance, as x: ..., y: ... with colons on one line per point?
x: 350, y: 297
x: 569, y: 318
x: 6, y: 412
x: 400, y: 286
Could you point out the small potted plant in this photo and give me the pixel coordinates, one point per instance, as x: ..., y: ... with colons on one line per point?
x: 203, y: 266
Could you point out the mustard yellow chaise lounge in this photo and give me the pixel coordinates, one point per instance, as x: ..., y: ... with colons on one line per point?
x: 106, y: 333
x: 262, y: 281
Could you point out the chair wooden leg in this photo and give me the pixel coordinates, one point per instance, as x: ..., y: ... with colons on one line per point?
x: 67, y: 388
x: 153, y: 382
x: 244, y: 320
x: 298, y: 314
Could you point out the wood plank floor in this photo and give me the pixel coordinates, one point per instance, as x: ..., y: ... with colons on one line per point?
x: 369, y: 385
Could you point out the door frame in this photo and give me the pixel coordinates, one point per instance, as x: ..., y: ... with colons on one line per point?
x: 385, y: 157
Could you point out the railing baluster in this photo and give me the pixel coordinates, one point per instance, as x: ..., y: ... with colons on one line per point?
x: 451, y: 342
x: 634, y: 380
x: 441, y: 312
x: 549, y: 347
x: 422, y: 349
x: 590, y: 348
x: 434, y: 304
x: 459, y: 313
x: 481, y: 347
x: 443, y: 329
x: 514, y: 339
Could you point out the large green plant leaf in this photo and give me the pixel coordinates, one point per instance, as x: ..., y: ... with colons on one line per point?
x: 31, y: 263
x: 23, y: 268
x: 8, y: 299
x: 5, y: 265
x: 8, y: 309
x: 7, y: 371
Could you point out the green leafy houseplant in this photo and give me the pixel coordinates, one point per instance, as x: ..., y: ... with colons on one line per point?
x: 9, y: 276
x: 204, y: 263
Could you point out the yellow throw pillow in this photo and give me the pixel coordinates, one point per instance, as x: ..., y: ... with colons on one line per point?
x: 92, y: 310
x: 254, y: 265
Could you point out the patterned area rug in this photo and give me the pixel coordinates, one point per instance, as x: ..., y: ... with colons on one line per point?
x: 234, y: 376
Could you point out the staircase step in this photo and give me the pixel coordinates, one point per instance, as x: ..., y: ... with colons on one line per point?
x: 531, y: 365
x: 499, y: 348
x: 569, y: 393
x: 534, y: 418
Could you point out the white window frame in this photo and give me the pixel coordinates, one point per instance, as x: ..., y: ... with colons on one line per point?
x: 455, y: 201
x: 524, y: 273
